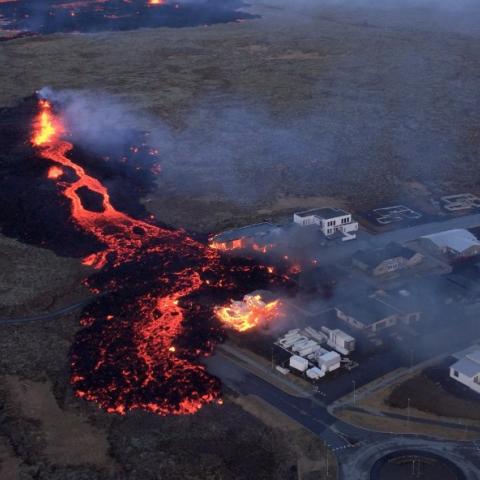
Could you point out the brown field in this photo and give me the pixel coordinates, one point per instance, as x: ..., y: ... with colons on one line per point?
x: 355, y: 106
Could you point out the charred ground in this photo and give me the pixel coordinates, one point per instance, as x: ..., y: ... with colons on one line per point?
x: 53, y: 16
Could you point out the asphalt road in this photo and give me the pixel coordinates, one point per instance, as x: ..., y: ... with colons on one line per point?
x: 47, y: 315
x: 356, y: 449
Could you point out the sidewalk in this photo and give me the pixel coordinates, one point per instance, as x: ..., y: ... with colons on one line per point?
x: 271, y: 376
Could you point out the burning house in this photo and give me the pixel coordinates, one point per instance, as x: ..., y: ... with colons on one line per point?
x: 259, y: 236
x: 252, y: 311
x: 330, y: 221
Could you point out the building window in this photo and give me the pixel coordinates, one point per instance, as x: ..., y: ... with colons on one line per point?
x: 455, y: 373
x: 345, y: 220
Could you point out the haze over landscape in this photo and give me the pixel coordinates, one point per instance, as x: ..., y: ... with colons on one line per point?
x: 239, y: 240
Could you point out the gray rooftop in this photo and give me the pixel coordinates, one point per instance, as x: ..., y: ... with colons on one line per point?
x: 458, y: 239
x: 249, y: 231
x: 373, y: 258
x: 324, y: 213
x: 367, y: 310
x: 467, y: 367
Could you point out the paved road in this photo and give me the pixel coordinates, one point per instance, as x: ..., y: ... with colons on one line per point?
x: 356, y: 448
x: 310, y: 412
x: 48, y: 315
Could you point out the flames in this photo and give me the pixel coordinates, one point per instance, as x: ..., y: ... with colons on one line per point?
x: 154, y: 321
x: 241, y: 244
x: 141, y: 340
x: 47, y: 127
x: 249, y: 313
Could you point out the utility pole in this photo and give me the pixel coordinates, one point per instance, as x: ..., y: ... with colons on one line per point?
x: 326, y: 454
x: 272, y: 359
x: 411, y: 359
x: 408, y: 413
x: 354, y: 394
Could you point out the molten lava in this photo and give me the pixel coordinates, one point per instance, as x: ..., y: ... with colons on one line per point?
x: 142, y: 338
x: 249, y: 313
x: 54, y: 172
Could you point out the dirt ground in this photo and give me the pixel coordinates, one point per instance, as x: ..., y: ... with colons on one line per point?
x: 34, y: 280
x: 438, y: 398
x: 310, y: 450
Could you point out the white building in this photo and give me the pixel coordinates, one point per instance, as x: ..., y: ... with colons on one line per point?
x: 340, y: 341
x: 298, y: 363
x: 467, y: 370
x: 457, y: 243
x: 330, y: 221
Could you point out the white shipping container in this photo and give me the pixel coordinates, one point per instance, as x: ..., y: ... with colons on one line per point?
x: 288, y: 342
x: 315, y: 373
x: 298, y: 363
x: 329, y: 361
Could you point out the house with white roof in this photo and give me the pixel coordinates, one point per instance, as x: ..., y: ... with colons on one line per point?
x: 330, y: 221
x: 467, y: 370
x: 455, y: 244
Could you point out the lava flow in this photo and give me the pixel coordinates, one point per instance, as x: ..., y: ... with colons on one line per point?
x: 30, y: 17
x: 154, y: 318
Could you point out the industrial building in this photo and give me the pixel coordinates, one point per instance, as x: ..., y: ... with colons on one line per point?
x: 330, y: 221
x: 386, y: 260
x: 467, y: 370
x: 372, y: 314
x: 309, y: 355
x: 454, y: 244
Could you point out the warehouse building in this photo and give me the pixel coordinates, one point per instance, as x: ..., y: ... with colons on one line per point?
x: 454, y: 244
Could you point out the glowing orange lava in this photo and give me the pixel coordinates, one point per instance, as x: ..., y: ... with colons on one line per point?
x: 54, y: 172
x: 249, y: 313
x: 141, y: 339
x: 155, y: 321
